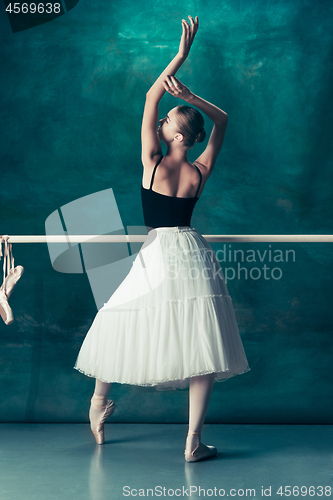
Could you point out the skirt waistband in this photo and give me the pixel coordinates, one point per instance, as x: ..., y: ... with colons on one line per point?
x: 173, y: 229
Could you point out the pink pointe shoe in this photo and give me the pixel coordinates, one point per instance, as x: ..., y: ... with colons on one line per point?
x: 98, y: 432
x: 200, y: 452
x: 5, y: 309
x: 11, y: 280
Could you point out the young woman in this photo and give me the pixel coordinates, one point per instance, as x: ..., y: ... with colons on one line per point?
x: 170, y: 324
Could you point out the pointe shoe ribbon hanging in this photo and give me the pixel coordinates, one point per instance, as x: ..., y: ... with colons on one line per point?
x: 7, y: 257
x: 9, y: 281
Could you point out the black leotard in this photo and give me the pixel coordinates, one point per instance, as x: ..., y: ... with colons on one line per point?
x: 160, y: 210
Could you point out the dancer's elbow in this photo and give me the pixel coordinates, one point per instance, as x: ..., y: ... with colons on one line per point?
x: 223, y: 119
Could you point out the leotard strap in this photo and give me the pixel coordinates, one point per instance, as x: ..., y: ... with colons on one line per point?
x: 200, y: 179
x: 152, y: 177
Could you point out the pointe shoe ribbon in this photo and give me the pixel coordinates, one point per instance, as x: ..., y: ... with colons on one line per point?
x: 98, y: 432
x: 13, y: 274
x: 5, y: 310
x: 7, y: 259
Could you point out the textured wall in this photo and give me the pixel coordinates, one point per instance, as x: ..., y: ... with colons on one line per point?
x: 72, y: 97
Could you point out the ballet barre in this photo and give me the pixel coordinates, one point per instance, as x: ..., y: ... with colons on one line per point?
x: 138, y: 238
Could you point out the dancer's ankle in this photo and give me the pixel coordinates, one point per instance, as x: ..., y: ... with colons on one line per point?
x: 99, y: 400
x: 193, y: 440
x: 193, y: 433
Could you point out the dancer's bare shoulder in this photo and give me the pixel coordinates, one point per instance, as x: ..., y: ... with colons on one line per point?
x: 205, y: 174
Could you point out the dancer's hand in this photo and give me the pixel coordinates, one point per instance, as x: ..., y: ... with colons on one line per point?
x: 176, y: 88
x: 188, y: 35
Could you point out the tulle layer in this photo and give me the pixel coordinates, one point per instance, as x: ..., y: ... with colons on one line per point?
x: 172, y: 318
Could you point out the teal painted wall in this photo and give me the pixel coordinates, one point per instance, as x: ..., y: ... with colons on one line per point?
x: 72, y: 96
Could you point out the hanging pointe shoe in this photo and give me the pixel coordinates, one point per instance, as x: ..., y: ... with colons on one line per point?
x: 11, y: 280
x: 200, y: 452
x: 5, y: 309
x: 106, y: 410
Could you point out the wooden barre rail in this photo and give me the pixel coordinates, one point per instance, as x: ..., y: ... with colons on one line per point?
x: 138, y: 238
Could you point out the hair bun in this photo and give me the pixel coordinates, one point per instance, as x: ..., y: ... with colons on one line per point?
x: 201, y: 135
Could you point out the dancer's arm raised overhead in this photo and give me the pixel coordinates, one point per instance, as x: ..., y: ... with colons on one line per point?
x: 219, y: 117
x: 151, y: 144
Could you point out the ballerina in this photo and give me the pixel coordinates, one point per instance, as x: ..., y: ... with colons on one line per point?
x: 160, y: 328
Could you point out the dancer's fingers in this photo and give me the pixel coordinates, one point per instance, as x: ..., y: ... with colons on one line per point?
x: 169, y: 81
x: 177, y: 86
x: 192, y: 23
x: 176, y: 82
x: 187, y: 27
x: 196, y: 23
x: 167, y: 87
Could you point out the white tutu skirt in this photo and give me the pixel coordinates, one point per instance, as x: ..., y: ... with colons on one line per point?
x: 171, y: 318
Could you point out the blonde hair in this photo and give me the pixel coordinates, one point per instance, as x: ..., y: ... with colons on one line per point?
x: 191, y: 125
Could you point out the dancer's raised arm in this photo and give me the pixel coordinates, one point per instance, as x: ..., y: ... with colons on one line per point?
x: 217, y: 115
x: 151, y: 144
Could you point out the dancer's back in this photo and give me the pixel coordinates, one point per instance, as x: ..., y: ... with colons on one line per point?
x: 176, y: 180
x: 161, y: 209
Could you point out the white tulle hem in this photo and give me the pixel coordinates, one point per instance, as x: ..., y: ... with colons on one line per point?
x: 167, y: 384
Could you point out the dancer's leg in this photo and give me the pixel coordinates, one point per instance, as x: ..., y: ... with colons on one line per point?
x: 200, y: 392
x: 102, y: 388
x: 99, y: 398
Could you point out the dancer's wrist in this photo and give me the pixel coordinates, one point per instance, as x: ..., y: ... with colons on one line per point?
x: 181, y: 56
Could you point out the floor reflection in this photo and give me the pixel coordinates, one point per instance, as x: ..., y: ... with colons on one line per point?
x: 97, y: 478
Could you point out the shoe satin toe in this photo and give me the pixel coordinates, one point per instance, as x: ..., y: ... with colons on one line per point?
x: 5, y: 309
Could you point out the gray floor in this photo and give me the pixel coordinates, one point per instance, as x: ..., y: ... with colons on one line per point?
x: 62, y: 461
